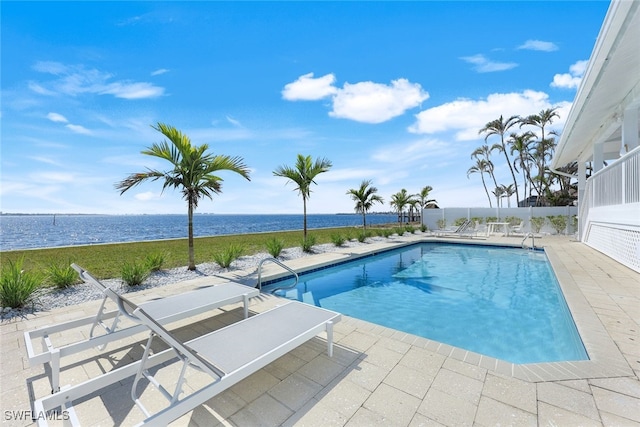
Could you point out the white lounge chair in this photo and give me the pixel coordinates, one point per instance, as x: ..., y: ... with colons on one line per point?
x: 227, y: 356
x: 164, y: 310
x: 465, y: 229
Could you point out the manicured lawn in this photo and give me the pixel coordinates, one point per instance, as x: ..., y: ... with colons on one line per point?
x: 105, y: 261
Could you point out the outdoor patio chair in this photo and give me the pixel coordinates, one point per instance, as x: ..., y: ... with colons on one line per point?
x: 517, y: 230
x: 106, y: 325
x: 226, y: 356
x: 465, y: 229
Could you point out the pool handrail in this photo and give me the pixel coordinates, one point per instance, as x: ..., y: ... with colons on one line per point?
x: 281, y: 264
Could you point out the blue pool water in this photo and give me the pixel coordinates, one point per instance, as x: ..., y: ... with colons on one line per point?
x: 501, y: 302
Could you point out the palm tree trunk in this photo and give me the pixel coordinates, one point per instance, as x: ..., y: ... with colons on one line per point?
x: 192, y: 260
x: 513, y: 175
x: 486, y: 190
x: 304, y: 220
x: 364, y: 220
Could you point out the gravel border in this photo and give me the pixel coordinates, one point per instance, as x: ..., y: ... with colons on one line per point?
x: 50, y: 299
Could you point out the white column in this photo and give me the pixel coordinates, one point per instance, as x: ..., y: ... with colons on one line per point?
x: 598, y: 157
x: 582, y: 180
x: 629, y: 131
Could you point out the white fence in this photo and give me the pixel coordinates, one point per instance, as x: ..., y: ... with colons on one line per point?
x: 610, y: 211
x: 433, y: 218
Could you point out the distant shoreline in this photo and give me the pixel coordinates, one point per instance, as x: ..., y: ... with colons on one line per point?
x: 195, y: 214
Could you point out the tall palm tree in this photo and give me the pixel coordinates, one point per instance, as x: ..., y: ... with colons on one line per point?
x: 500, y: 127
x: 521, y: 144
x: 545, y: 147
x: 400, y: 200
x: 365, y: 197
x: 507, y: 192
x: 192, y: 172
x: 498, y: 192
x: 484, y: 152
x: 303, y: 175
x: 481, y: 167
x: 424, y: 201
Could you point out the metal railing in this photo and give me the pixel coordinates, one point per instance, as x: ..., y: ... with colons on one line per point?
x: 616, y: 184
x: 275, y: 261
x: 533, y: 240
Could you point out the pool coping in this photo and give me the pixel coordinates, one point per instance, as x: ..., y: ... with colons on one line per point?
x: 605, y: 358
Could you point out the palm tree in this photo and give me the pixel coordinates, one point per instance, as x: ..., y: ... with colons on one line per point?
x: 303, y: 175
x: 192, y: 172
x: 365, y: 197
x: 484, y: 152
x: 481, y: 167
x: 521, y: 144
x: 498, y: 192
x: 507, y: 192
x: 500, y: 127
x: 400, y: 200
x: 424, y: 201
x: 545, y: 147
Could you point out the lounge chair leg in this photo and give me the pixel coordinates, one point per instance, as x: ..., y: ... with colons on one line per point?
x: 245, y: 299
x: 55, y: 370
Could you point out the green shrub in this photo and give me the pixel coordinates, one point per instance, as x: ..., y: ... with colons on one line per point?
x: 62, y: 276
x: 492, y: 219
x: 154, y: 261
x: 410, y: 229
x: 134, y: 273
x: 225, y: 257
x: 307, y: 244
x: 17, y: 287
x: 363, y: 235
x: 275, y: 246
x: 442, y: 223
x: 513, y: 220
x: 424, y: 228
x: 399, y: 230
x: 558, y: 222
x: 387, y: 232
x: 459, y: 221
x: 337, y: 239
x: 537, y: 222
x: 478, y: 219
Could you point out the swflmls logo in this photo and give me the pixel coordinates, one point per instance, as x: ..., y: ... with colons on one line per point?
x: 35, y: 416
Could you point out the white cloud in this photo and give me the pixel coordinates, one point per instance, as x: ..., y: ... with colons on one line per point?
x: 572, y: 79
x: 539, y: 45
x: 413, y: 151
x: 35, y: 87
x: 371, y: 102
x: 53, y: 177
x: 306, y: 88
x: 46, y: 160
x: 58, y: 118
x: 159, y: 72
x: 78, y: 129
x: 233, y: 121
x: 129, y: 90
x: 366, y: 102
x: 74, y: 80
x: 466, y: 116
x: 484, y: 65
x: 148, y: 195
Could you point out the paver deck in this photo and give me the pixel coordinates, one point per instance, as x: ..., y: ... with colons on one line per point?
x: 379, y: 376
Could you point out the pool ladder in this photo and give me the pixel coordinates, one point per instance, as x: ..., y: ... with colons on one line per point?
x: 533, y: 241
x: 275, y: 261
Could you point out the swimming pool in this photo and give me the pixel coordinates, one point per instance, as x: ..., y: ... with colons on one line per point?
x: 501, y: 302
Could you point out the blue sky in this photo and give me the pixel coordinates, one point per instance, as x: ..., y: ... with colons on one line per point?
x: 394, y: 92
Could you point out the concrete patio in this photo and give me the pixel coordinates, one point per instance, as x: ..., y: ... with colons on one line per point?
x: 378, y: 376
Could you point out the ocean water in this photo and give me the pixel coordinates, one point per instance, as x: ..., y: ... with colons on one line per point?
x: 43, y: 231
